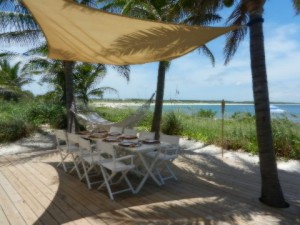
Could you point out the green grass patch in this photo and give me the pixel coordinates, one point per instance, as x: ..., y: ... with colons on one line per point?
x: 20, y: 119
x: 239, y: 131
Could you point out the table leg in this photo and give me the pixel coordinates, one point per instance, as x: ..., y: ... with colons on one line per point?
x: 148, y: 171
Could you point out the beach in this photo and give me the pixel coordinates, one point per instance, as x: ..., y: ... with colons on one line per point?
x: 292, y: 111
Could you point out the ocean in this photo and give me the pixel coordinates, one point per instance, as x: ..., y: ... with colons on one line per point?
x: 293, y: 110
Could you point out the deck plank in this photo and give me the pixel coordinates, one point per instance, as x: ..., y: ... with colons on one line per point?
x: 30, y: 194
x: 60, y: 207
x: 3, y: 218
x: 9, y: 208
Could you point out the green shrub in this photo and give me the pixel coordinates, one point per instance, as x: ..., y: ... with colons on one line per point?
x: 286, y: 138
x: 26, y: 116
x: 242, y: 116
x: 41, y: 113
x: 206, y: 113
x: 171, y: 124
x: 14, y: 129
x: 114, y: 114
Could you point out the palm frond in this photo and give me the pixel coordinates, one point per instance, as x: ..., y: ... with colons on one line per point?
x: 13, y: 5
x: 206, y: 51
x: 114, y: 6
x: 202, y: 19
x: 123, y: 71
x: 239, y: 17
x: 106, y: 89
x: 89, y: 3
x: 12, y: 21
x: 96, y: 92
x: 167, y: 65
x: 8, y: 55
x: 22, y: 38
x: 40, y: 50
x: 296, y: 4
x: 12, y: 75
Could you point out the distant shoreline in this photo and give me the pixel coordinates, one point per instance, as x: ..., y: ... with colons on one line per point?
x: 113, y: 104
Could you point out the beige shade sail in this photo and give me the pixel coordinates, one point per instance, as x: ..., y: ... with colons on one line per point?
x: 78, y: 33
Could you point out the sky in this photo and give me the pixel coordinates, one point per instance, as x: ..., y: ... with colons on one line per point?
x: 192, y: 77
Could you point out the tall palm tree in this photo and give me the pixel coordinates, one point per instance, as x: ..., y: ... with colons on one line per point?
x: 250, y: 13
x: 166, y: 11
x: 19, y: 27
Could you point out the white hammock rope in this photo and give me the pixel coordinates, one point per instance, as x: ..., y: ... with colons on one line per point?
x: 93, y: 121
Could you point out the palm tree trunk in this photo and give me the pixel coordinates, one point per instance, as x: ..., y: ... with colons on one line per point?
x: 157, y: 115
x: 271, y: 192
x: 68, y: 69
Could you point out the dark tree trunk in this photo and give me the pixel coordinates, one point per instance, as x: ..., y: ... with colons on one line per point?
x: 159, y: 99
x: 271, y: 192
x: 68, y: 69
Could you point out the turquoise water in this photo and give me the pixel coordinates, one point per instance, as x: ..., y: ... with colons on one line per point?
x: 292, y: 110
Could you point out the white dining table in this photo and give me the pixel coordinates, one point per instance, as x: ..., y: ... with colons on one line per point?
x: 149, y: 165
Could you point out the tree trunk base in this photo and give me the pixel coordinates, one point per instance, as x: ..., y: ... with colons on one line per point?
x: 274, y: 204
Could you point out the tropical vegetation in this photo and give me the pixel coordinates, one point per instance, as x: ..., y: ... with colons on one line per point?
x: 245, y: 12
x: 12, y: 79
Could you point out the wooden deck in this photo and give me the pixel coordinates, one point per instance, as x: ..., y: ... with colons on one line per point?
x: 210, y: 190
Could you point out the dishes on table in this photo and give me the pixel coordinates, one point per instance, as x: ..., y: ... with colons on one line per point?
x: 126, y: 143
x: 111, y: 139
x: 124, y: 136
x: 98, y: 135
x: 100, y: 131
x: 84, y: 132
x: 150, y: 141
x: 114, y: 134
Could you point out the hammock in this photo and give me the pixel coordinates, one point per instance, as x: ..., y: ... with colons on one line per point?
x: 92, y: 121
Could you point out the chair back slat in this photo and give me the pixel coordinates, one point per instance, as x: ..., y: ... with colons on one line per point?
x: 84, y: 144
x: 171, y: 139
x: 128, y: 131
x: 85, y: 147
x: 106, y: 150
x: 146, y: 135
x: 116, y: 129
x: 61, y: 135
x: 72, y: 138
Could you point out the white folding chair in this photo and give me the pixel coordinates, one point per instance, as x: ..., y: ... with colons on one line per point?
x: 62, y: 147
x: 128, y: 131
x: 114, y: 129
x: 90, y: 161
x: 74, y: 151
x: 146, y: 135
x: 112, y: 166
x: 166, y: 157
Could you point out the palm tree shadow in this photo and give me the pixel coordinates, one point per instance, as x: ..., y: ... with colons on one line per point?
x: 160, y: 41
x: 146, y: 42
